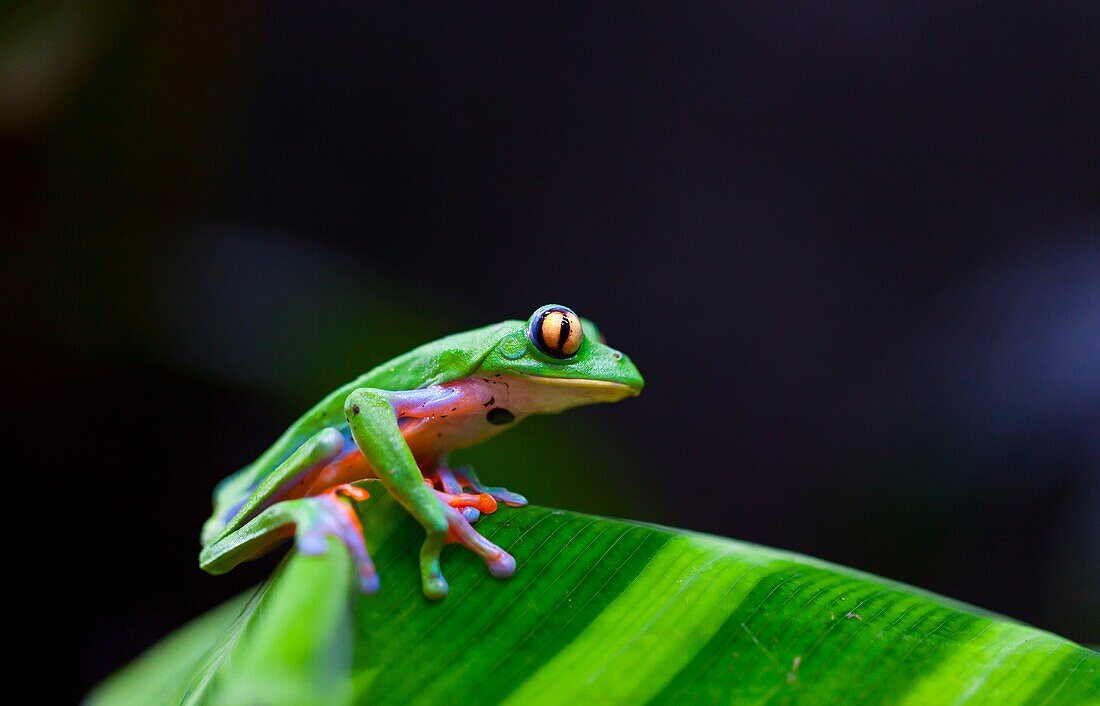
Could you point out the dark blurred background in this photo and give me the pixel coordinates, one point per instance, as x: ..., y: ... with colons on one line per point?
x: 855, y: 251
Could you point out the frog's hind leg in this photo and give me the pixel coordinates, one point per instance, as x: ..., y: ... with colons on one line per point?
x: 343, y: 523
x: 289, y: 480
x: 310, y: 521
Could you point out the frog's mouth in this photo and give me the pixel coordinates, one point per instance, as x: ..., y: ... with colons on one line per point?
x: 602, y: 390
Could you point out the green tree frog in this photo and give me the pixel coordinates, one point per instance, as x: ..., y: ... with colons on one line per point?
x: 397, y: 423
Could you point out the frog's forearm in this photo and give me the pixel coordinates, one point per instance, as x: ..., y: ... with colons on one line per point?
x: 373, y: 422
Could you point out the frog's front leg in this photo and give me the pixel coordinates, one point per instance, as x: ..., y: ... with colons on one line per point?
x: 373, y: 418
x: 311, y: 521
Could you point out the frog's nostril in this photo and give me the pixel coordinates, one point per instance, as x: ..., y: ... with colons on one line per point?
x: 617, y: 355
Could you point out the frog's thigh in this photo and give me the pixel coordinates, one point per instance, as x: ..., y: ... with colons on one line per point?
x: 318, y: 450
x: 311, y: 521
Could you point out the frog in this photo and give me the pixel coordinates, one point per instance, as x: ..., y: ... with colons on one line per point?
x: 396, y: 424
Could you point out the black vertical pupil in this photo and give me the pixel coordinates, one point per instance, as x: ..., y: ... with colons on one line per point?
x: 563, y: 334
x: 556, y: 350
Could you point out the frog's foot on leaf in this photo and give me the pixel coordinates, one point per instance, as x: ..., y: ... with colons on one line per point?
x: 466, y: 477
x: 328, y: 515
x: 481, y: 503
x: 451, y: 487
x: 459, y: 531
x: 455, y: 481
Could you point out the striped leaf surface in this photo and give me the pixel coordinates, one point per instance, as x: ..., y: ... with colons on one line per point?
x: 600, y: 611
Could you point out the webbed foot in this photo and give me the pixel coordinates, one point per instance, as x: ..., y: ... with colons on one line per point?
x: 466, y: 503
x: 466, y: 476
x: 453, y: 482
x: 501, y: 564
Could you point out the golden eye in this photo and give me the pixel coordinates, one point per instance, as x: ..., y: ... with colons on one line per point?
x: 556, y: 331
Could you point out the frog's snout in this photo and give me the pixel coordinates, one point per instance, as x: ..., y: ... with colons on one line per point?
x: 627, y: 373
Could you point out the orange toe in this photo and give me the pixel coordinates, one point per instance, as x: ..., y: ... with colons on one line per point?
x: 482, y: 501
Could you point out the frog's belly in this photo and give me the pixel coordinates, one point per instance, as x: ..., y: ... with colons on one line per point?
x: 437, y: 435
x: 428, y: 439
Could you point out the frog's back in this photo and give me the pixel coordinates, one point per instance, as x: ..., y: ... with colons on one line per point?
x: 440, y: 361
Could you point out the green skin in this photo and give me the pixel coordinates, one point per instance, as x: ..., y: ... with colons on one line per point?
x: 403, y: 417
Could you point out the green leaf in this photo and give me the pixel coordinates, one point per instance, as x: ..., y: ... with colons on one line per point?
x: 600, y: 611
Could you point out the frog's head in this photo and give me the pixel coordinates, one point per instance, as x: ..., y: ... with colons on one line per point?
x: 565, y: 359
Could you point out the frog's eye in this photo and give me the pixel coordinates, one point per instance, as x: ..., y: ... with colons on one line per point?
x: 556, y: 331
